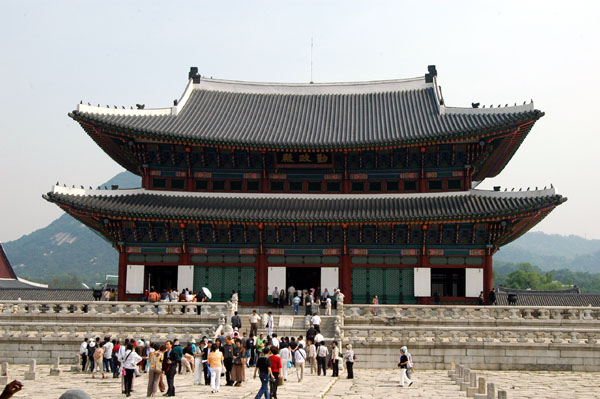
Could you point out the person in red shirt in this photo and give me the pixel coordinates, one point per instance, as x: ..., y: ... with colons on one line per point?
x: 275, y: 369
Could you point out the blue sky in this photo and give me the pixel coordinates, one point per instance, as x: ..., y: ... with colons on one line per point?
x: 56, y: 53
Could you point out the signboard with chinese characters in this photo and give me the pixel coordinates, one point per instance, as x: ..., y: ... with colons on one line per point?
x: 304, y: 159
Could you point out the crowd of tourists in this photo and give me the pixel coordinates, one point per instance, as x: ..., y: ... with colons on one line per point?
x: 314, y: 300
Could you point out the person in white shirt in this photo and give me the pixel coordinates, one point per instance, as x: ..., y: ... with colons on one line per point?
x: 316, y: 322
x: 189, y: 296
x: 285, y: 356
x: 275, y: 297
x: 335, y: 356
x: 254, y: 319
x: 312, y: 357
x: 270, y: 324
x: 275, y: 341
x: 83, y: 352
x: 328, y: 306
x: 130, y: 361
x: 322, y: 353
x: 300, y: 358
x: 319, y: 339
x: 108, y: 350
x: 174, y: 296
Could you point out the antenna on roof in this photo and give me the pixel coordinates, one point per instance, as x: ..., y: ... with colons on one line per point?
x: 311, y: 60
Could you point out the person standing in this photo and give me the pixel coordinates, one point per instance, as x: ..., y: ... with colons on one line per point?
x: 276, y: 365
x: 335, y: 356
x: 282, y: 299
x: 403, y: 364
x: 130, y: 362
x: 83, y: 353
x: 263, y: 367
x: 270, y: 324
x: 237, y: 373
x: 228, y: 356
x: 311, y: 354
x: 375, y: 302
x: 198, y: 366
x: 296, y: 301
x: 169, y: 367
x: 492, y: 297
x: 316, y: 322
x: 90, y: 354
x: 409, y: 366
x: 108, y: 352
x: 236, y: 321
x: 179, y: 351
x: 349, y: 358
x: 206, y: 366
x: 328, y: 306
x: 98, y: 360
x: 275, y: 297
x: 155, y: 372
x: 285, y: 356
x: 291, y: 293
x: 215, y: 362
x: 300, y: 360
x: 254, y: 319
x: 307, y: 304
x: 322, y: 353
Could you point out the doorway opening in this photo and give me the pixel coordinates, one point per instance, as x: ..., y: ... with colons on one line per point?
x: 162, y: 278
x: 448, y: 282
x: 303, y: 278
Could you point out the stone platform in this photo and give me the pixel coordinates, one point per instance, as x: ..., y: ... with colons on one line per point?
x: 368, y: 383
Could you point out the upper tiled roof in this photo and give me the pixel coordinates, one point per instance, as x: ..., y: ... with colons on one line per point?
x: 332, y: 115
x: 305, y: 208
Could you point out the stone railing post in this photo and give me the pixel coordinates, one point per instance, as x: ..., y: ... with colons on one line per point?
x: 502, y: 394
x: 227, y: 327
x: 55, y: 370
x: 4, y: 378
x: 32, y: 374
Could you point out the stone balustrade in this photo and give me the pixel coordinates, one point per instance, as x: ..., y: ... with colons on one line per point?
x: 472, y: 314
x: 99, y: 309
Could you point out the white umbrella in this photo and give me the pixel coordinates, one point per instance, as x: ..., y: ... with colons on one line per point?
x: 207, y: 292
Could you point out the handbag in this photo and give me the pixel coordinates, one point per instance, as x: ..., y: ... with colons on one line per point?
x: 279, y: 380
x: 289, y: 364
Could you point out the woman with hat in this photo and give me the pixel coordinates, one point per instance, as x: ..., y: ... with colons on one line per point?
x: 349, y: 358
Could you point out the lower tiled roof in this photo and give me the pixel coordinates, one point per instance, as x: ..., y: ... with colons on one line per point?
x: 303, y: 208
x: 547, y: 298
x: 45, y: 294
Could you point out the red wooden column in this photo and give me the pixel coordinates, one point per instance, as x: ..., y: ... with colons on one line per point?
x: 261, y: 280
x: 261, y: 272
x: 488, y: 277
x: 346, y: 278
x: 122, y: 274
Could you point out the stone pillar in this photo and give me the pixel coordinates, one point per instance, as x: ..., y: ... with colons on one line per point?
x: 346, y: 278
x: 502, y: 394
x: 227, y: 328
x: 4, y: 378
x: 55, y: 370
x: 32, y: 374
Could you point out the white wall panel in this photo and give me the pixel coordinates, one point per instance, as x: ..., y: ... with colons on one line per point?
x: 422, y: 281
x: 276, y: 278
x: 134, y: 283
x: 330, y: 279
x: 473, y: 282
x: 185, y: 277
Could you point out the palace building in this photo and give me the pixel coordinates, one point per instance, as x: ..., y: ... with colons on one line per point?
x: 365, y: 186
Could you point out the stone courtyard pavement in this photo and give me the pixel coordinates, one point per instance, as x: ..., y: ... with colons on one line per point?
x: 368, y: 383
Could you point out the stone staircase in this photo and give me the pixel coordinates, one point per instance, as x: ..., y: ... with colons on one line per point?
x: 286, y: 324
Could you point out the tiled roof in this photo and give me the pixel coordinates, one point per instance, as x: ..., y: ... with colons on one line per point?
x: 45, y: 294
x: 6, y: 283
x: 337, y: 115
x: 305, y: 208
x: 546, y: 298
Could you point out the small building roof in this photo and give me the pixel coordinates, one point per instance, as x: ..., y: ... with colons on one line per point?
x: 320, y: 115
x: 6, y: 270
x: 569, y: 297
x: 319, y: 208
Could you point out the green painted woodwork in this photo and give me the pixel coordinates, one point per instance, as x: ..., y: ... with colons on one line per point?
x: 222, y: 280
x: 391, y: 285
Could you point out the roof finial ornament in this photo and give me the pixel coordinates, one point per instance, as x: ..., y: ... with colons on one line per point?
x: 140, y: 106
x: 81, y: 102
x: 89, y: 103
x: 194, y: 75
x: 431, y: 73
x: 527, y: 188
x: 524, y: 102
x: 551, y: 186
x: 475, y: 105
x: 175, y: 102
